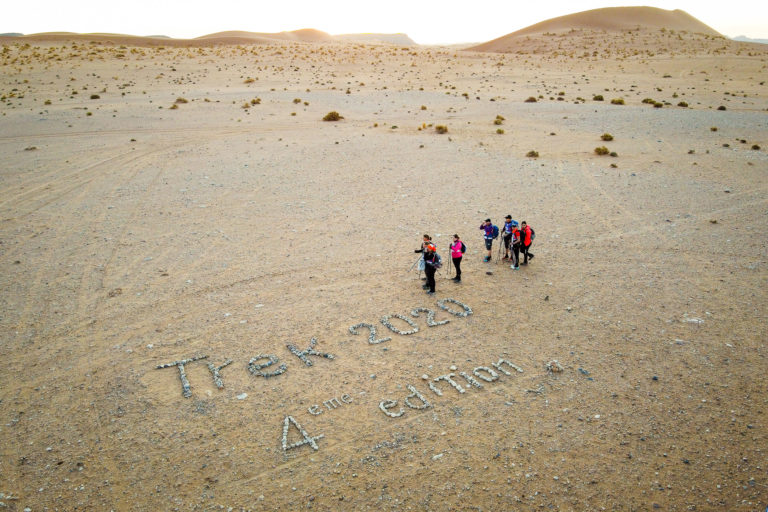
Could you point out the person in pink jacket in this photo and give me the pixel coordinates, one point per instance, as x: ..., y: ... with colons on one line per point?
x: 457, y: 251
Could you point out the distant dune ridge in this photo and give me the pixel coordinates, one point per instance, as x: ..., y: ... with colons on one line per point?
x: 306, y: 35
x: 609, y: 19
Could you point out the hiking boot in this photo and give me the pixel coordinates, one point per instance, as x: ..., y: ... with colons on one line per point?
x: 487, y: 259
x: 530, y: 256
x: 430, y: 292
x: 515, y: 268
x: 425, y: 286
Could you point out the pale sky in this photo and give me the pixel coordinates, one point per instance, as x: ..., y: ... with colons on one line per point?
x: 425, y: 21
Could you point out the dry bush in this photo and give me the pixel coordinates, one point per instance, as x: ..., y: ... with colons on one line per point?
x: 649, y: 101
x: 423, y: 107
x: 713, y: 128
x: 174, y: 106
x: 530, y: 99
x: 500, y: 131
x: 682, y: 104
x: 617, y: 101
x: 601, y: 150
x: 441, y: 128
x: 721, y: 107
x: 256, y: 101
x: 597, y: 97
x: 249, y: 81
x: 95, y: 97
x: 606, y: 137
x: 297, y: 100
x: 181, y: 100
x: 332, y: 116
x: 532, y: 154
x: 756, y: 147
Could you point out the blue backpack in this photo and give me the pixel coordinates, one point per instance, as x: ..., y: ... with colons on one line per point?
x: 495, y: 231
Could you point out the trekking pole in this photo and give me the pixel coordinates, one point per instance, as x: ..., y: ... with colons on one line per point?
x: 414, y: 264
x: 449, y: 264
x: 498, y: 253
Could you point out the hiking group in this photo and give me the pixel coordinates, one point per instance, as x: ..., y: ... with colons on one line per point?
x: 515, y: 239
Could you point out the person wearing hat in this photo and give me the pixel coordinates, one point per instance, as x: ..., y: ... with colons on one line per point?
x: 507, y: 237
x: 487, y: 227
x: 431, y: 264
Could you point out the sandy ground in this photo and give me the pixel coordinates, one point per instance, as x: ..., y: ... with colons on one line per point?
x: 133, y: 235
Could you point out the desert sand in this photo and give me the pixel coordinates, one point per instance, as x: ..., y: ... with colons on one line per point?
x: 165, y: 202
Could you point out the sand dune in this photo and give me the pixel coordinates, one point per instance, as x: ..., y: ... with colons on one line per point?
x: 229, y: 37
x: 609, y: 19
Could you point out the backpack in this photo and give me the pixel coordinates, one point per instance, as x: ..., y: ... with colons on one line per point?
x: 437, y: 261
x: 495, y: 231
x: 463, y: 248
x: 533, y: 234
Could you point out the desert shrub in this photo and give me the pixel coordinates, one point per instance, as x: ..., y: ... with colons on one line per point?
x: 721, y: 107
x: 423, y: 107
x: 614, y: 166
x: 95, y: 96
x: 601, y: 150
x: 597, y: 97
x: 532, y: 154
x: 756, y: 147
x: 614, y: 154
x: 530, y: 99
x: 606, y: 137
x: 47, y: 102
x: 173, y: 107
x: 256, y: 101
x: 441, y: 128
x: 497, y: 121
x: 500, y: 131
x: 181, y: 100
x: 617, y: 101
x: 246, y: 105
x: 682, y: 104
x: 649, y: 101
x: 249, y: 81
x: 658, y: 104
x: 713, y: 128
x: 89, y: 113
x: 297, y: 100
x: 332, y: 116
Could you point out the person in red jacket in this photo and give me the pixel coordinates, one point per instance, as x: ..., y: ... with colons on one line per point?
x: 515, y: 242
x: 526, y: 235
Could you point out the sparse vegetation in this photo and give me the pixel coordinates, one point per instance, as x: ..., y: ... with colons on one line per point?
x: 606, y: 137
x: 721, y: 107
x: 597, y: 97
x: 500, y: 131
x: 532, y: 154
x: 441, y: 128
x: 181, y: 100
x: 682, y: 104
x: 713, y: 128
x: 530, y: 99
x: 614, y: 154
x: 332, y: 116
x: 297, y: 100
x: 617, y: 101
x: 755, y: 147
x: 601, y: 150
